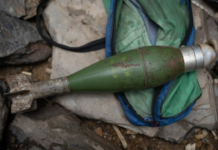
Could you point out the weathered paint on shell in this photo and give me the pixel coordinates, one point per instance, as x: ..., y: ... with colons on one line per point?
x: 146, y: 67
x: 162, y: 64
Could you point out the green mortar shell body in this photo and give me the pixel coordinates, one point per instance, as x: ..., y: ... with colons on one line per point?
x: 143, y: 68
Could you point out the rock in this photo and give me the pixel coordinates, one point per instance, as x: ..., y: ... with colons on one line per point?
x: 130, y: 132
x: 15, y: 34
x: 145, y: 148
x: 30, y: 8
x: 20, y: 42
x: 3, y: 109
x: 205, y: 140
x: 15, y: 8
x: 210, y: 147
x: 13, y: 140
x: 198, y: 144
x: 206, y: 27
x: 197, y: 130
x: 133, y: 136
x: 214, y: 135
x: 55, y: 129
x: 184, y: 142
x: 216, y: 15
x: 205, y: 6
x: 19, y: 8
x: 190, y: 147
x: 201, y: 135
x: 30, y: 54
x: 99, y: 131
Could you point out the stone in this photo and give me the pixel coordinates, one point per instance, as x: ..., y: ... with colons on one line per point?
x: 216, y: 15
x: 190, y: 147
x: 19, y: 8
x: 15, y: 34
x: 20, y: 42
x: 184, y: 142
x: 130, y: 132
x: 206, y: 27
x: 13, y: 140
x: 201, y: 135
x: 99, y: 131
x: 133, y: 136
x: 30, y: 8
x: 4, y: 112
x: 204, y: 5
x: 210, y: 147
x: 197, y: 130
x: 56, y: 129
x: 198, y: 144
x: 214, y: 135
x: 15, y: 8
x: 32, y: 53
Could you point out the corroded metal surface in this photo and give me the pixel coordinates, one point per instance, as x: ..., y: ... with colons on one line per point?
x: 25, y: 101
x: 49, y: 88
x: 144, y: 68
x: 161, y: 64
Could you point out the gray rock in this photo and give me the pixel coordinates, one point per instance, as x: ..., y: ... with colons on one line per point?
x: 20, y: 42
x: 15, y: 8
x: 54, y: 128
x: 15, y: 34
x: 206, y: 27
x: 204, y: 5
x: 3, y: 109
x: 19, y: 8
x: 30, y: 8
x: 30, y: 54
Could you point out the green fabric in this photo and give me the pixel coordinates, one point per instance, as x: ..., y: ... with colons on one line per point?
x: 181, y: 96
x: 144, y: 100
x: 107, y: 5
x: 130, y: 33
x: 172, y: 17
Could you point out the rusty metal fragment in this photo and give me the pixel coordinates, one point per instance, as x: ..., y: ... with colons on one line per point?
x: 49, y: 88
x: 27, y: 92
x: 23, y: 101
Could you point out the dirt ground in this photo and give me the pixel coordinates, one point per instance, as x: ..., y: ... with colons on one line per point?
x: 105, y: 130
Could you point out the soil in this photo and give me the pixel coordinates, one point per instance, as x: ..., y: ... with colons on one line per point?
x: 142, y: 142
x: 134, y: 141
